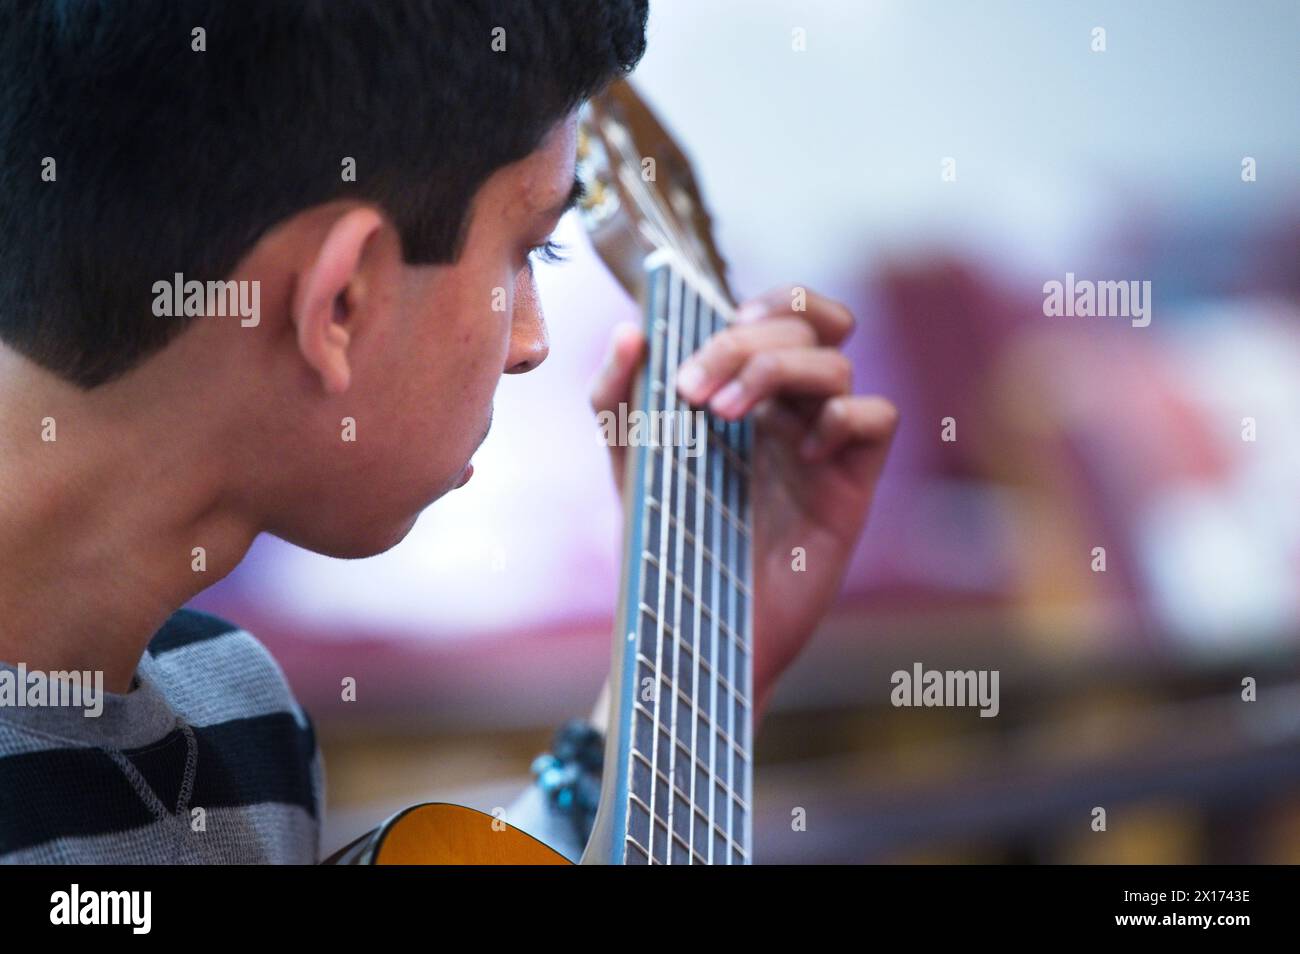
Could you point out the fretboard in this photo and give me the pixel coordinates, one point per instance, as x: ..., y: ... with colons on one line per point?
x: 684, y: 779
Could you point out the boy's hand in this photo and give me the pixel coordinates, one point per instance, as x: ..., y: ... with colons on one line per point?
x: 819, y: 450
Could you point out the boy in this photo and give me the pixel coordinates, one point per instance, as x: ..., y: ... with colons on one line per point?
x: 363, y: 178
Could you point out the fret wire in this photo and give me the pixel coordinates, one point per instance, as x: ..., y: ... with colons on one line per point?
x: 673, y: 836
x: 712, y: 557
x: 638, y: 846
x: 654, y: 861
x: 655, y: 818
x: 690, y: 852
x: 736, y: 699
x: 727, y: 512
x: 696, y: 810
x: 732, y: 745
x: 735, y: 637
x: 697, y: 813
x: 736, y: 694
x: 735, y: 459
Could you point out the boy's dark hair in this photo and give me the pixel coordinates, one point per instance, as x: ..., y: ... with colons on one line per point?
x: 173, y: 160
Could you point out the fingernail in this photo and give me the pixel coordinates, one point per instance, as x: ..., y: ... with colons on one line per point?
x: 689, y: 377
x: 728, y: 399
x: 749, y: 311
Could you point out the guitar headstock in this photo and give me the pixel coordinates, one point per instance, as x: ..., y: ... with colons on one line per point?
x: 641, y: 192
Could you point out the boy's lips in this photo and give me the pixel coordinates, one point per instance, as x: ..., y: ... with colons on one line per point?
x: 468, y: 472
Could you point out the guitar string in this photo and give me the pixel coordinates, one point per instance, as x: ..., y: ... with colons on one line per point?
x: 746, y: 649
x: 729, y: 482
x: 713, y: 650
x: 670, y: 401
x: 679, y: 540
x: 724, y: 476
x: 726, y: 499
x: 735, y: 430
x: 701, y: 462
x: 677, y: 551
x: 667, y: 492
x: 681, y: 318
x: 701, y: 318
x: 672, y: 404
x: 695, y: 335
x: 686, y: 316
x: 697, y: 313
x: 657, y: 331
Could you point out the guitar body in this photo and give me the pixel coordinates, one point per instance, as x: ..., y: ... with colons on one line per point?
x: 676, y: 787
x: 438, y: 833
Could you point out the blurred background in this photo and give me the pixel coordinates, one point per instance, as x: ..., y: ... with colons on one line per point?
x: 490, y: 625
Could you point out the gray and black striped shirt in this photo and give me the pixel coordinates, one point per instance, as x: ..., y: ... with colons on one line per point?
x: 208, y: 759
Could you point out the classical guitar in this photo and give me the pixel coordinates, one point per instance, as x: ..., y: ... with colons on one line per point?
x: 676, y: 787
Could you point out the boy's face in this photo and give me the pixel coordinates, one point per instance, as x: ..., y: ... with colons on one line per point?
x: 426, y: 348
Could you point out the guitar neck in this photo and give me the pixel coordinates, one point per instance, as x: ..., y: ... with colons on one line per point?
x: 678, y: 779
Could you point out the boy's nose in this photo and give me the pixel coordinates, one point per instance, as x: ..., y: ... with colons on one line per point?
x: 528, y: 342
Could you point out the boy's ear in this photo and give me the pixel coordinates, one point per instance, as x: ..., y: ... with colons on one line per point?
x: 328, y: 295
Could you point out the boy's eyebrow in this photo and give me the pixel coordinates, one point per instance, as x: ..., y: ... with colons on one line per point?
x: 575, y: 196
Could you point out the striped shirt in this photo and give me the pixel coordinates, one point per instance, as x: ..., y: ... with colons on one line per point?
x: 208, y: 759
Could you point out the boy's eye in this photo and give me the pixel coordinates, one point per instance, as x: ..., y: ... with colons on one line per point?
x: 550, y: 252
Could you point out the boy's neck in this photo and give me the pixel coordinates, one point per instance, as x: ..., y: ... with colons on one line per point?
x: 98, y: 529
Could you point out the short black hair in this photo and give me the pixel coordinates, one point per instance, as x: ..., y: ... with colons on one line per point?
x: 168, y: 159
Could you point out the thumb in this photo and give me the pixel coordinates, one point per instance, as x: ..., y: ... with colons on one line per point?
x: 613, y: 382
